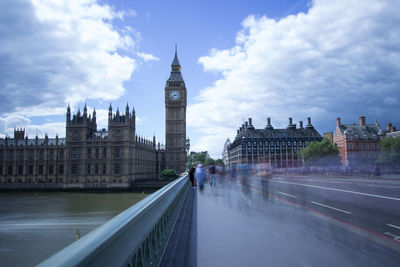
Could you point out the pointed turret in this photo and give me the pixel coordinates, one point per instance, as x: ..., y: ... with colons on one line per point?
x: 175, y: 62
x: 110, y: 112
x: 127, y: 111
x: 176, y: 75
x: 85, y: 111
x: 68, y: 114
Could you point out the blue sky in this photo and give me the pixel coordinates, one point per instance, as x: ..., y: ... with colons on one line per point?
x: 240, y: 59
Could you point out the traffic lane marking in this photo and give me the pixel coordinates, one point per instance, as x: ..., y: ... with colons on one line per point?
x: 330, y: 207
x: 394, y: 226
x: 370, y: 234
x: 285, y: 194
x: 341, y: 190
x: 395, y: 237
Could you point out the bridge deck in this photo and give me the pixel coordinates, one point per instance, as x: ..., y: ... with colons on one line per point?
x: 248, y: 222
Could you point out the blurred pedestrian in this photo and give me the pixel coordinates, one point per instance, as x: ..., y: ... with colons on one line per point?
x: 191, y: 176
x: 200, y: 176
x: 212, y: 171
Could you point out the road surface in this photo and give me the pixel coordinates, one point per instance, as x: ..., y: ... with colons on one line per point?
x: 298, y: 221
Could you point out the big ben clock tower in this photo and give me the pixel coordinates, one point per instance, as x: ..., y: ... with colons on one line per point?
x: 175, y: 118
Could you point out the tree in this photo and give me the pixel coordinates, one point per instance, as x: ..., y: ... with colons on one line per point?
x: 219, y: 162
x: 168, y: 174
x: 320, y: 154
x: 196, y: 158
x: 209, y: 161
x: 390, y: 152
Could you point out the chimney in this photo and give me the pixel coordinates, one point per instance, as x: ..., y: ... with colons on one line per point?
x: 362, y: 121
x: 290, y: 121
x: 301, y: 124
x: 337, y: 122
x: 250, y: 121
x: 309, y: 125
x: 269, y: 126
x: 246, y: 124
x: 389, y: 127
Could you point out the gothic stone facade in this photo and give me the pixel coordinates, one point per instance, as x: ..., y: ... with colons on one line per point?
x: 116, y: 156
x: 175, y: 118
x: 85, y: 156
x: 277, y: 147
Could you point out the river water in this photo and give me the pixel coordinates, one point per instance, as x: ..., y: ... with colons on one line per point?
x: 35, y: 226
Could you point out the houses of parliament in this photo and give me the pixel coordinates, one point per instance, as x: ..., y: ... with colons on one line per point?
x: 88, y: 156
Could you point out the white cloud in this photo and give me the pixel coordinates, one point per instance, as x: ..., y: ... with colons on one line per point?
x: 147, y: 57
x: 8, y: 124
x: 58, y: 52
x: 341, y: 58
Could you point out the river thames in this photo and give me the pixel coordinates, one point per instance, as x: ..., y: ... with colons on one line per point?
x: 35, y: 226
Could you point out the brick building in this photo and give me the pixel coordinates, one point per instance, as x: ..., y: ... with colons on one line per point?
x: 359, y: 144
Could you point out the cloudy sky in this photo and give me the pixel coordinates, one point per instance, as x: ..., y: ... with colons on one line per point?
x: 320, y: 59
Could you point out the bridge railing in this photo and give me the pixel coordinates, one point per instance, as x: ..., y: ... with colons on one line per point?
x: 136, y: 237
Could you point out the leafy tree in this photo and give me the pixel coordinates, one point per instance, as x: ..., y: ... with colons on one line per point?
x: 209, y: 161
x: 168, y: 174
x: 219, y: 162
x: 196, y: 158
x: 320, y: 154
x: 390, y: 151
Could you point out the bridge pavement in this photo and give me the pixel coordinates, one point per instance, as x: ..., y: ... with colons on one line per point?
x: 249, y: 221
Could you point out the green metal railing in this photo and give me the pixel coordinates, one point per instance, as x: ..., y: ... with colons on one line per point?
x: 137, y: 237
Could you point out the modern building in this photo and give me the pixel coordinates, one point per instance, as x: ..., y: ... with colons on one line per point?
x: 88, y: 156
x: 278, y: 147
x: 359, y: 144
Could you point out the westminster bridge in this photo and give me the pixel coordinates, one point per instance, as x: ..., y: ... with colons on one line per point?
x: 250, y: 221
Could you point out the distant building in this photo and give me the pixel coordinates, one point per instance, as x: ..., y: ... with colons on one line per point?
x: 359, y: 144
x: 279, y: 147
x: 392, y: 131
x: 225, y: 154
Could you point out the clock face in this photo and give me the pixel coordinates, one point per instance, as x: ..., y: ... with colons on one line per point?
x: 174, y: 95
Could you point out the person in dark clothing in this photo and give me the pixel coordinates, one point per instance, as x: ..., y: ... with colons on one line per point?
x: 211, y: 171
x: 191, y: 176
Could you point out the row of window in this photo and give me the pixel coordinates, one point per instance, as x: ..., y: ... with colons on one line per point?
x: 20, y: 154
x: 364, y: 146
x: 267, y: 151
x: 76, y: 135
x: 277, y: 143
x: 76, y: 151
x: 40, y: 170
x: 362, y: 155
x: 95, y: 169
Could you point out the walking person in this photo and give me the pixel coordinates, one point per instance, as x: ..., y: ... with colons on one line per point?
x: 191, y: 176
x: 200, y: 176
x: 212, y: 171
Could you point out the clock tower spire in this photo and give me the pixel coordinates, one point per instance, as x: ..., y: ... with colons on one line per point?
x: 175, y: 118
